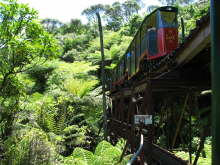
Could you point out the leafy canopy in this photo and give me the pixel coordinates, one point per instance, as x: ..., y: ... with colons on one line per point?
x: 23, y: 44
x: 23, y: 41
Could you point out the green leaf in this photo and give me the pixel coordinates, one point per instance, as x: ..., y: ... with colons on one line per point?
x: 102, y: 146
x: 84, y: 155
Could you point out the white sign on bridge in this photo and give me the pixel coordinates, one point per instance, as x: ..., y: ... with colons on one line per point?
x: 145, y: 119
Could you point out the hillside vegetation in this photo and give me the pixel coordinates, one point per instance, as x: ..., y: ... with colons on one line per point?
x: 50, y: 92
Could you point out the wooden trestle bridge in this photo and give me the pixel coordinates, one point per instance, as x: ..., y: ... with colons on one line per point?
x: 182, y: 73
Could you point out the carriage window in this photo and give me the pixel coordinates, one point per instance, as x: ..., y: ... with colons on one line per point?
x: 152, y: 42
x: 168, y: 19
x: 122, y: 68
x: 125, y: 64
x: 152, y: 20
x: 117, y: 73
x: 129, y: 63
x: 137, y: 49
x: 133, y: 58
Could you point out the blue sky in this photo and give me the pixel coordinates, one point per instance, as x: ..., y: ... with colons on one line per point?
x: 64, y: 10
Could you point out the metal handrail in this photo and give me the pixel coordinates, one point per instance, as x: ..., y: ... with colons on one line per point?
x: 138, y: 151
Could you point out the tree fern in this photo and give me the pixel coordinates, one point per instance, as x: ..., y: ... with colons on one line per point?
x: 77, y: 119
x: 79, y: 87
x: 112, y: 153
x: 84, y: 155
x: 71, y: 161
x: 60, y: 124
x: 41, y: 118
x: 75, y: 136
x: 102, y: 146
x: 105, y: 154
x: 76, y: 67
x: 51, y: 123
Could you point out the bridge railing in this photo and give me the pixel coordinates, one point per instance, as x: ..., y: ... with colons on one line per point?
x: 134, y: 157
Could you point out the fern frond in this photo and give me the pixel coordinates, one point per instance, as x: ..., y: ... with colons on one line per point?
x: 60, y: 125
x: 84, y: 155
x: 102, y: 146
x: 79, y: 87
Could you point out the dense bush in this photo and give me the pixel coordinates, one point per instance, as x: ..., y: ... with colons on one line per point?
x: 50, y: 94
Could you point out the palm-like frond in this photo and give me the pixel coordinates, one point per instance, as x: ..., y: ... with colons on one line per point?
x: 81, y: 154
x: 102, y: 146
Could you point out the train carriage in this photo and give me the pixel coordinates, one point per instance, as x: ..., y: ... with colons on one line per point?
x: 156, y: 37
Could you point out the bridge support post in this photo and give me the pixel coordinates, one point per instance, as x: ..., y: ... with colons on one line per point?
x: 215, y: 42
x: 132, y: 137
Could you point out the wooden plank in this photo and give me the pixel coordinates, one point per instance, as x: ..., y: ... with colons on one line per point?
x: 165, y: 85
x: 165, y: 157
x: 196, y: 44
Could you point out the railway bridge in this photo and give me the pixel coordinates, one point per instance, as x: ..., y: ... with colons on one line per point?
x: 183, y: 76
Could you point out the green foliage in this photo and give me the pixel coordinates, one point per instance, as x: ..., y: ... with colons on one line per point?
x: 111, y: 38
x: 102, y: 146
x: 202, y: 160
x: 75, y: 136
x: 77, y: 68
x: 118, y: 50
x: 58, y: 112
x: 120, y: 144
x: 39, y: 74
x: 92, y: 10
x: 191, y: 13
x: 115, y: 45
x: 23, y: 39
x: 50, y: 108
x: 30, y: 147
x: 104, y: 154
x: 116, y: 15
x: 205, y: 156
x: 65, y: 72
x: 70, y: 55
x: 24, y: 43
x: 75, y: 26
x: 52, y: 25
x: 133, y: 24
x: 72, y: 118
x: 73, y: 41
x: 83, y: 155
x: 47, y: 116
x: 79, y: 87
x: 27, y: 82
